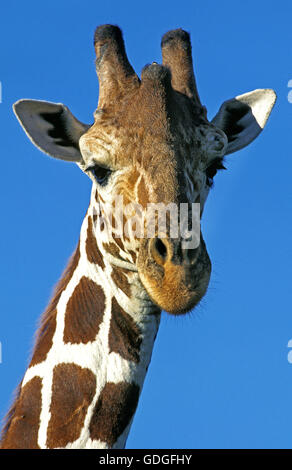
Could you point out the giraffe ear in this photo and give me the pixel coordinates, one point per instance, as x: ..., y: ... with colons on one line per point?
x: 51, y: 127
x: 244, y: 117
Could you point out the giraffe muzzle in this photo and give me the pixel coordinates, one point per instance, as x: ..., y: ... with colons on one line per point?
x: 176, y: 278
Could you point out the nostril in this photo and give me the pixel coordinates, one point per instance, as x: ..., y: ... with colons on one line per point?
x: 161, y: 248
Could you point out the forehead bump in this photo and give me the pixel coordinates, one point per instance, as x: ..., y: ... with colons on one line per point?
x: 115, y: 73
x: 177, y: 55
x: 156, y: 75
x: 156, y: 97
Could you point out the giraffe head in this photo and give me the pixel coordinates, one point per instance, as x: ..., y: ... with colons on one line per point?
x: 150, y: 143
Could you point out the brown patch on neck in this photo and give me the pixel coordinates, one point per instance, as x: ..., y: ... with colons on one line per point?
x: 72, y: 392
x: 120, y: 279
x: 124, y: 334
x: 134, y: 255
x: 22, y: 430
x: 113, y: 412
x: 119, y: 242
x: 84, y: 312
x: 112, y: 249
x: 48, y: 321
x: 92, y: 250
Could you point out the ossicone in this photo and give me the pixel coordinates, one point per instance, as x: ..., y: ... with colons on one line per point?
x: 115, y: 73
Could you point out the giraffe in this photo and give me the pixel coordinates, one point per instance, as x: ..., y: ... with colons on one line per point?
x: 151, y: 142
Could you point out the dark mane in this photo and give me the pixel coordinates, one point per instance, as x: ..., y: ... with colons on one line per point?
x: 44, y: 335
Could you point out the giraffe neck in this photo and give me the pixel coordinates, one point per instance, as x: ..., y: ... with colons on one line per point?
x: 91, y: 356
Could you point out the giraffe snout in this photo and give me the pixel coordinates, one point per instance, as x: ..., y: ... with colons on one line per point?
x: 175, y: 277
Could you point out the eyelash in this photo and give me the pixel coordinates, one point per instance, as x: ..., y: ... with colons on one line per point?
x: 100, y: 173
x: 212, y: 170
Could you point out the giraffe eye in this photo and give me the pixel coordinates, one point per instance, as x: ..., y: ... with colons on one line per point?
x: 100, y: 173
x: 212, y: 170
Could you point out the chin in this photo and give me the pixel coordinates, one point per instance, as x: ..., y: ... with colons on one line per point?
x: 175, y: 298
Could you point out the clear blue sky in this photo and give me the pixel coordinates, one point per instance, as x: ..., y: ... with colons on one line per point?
x: 220, y: 377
